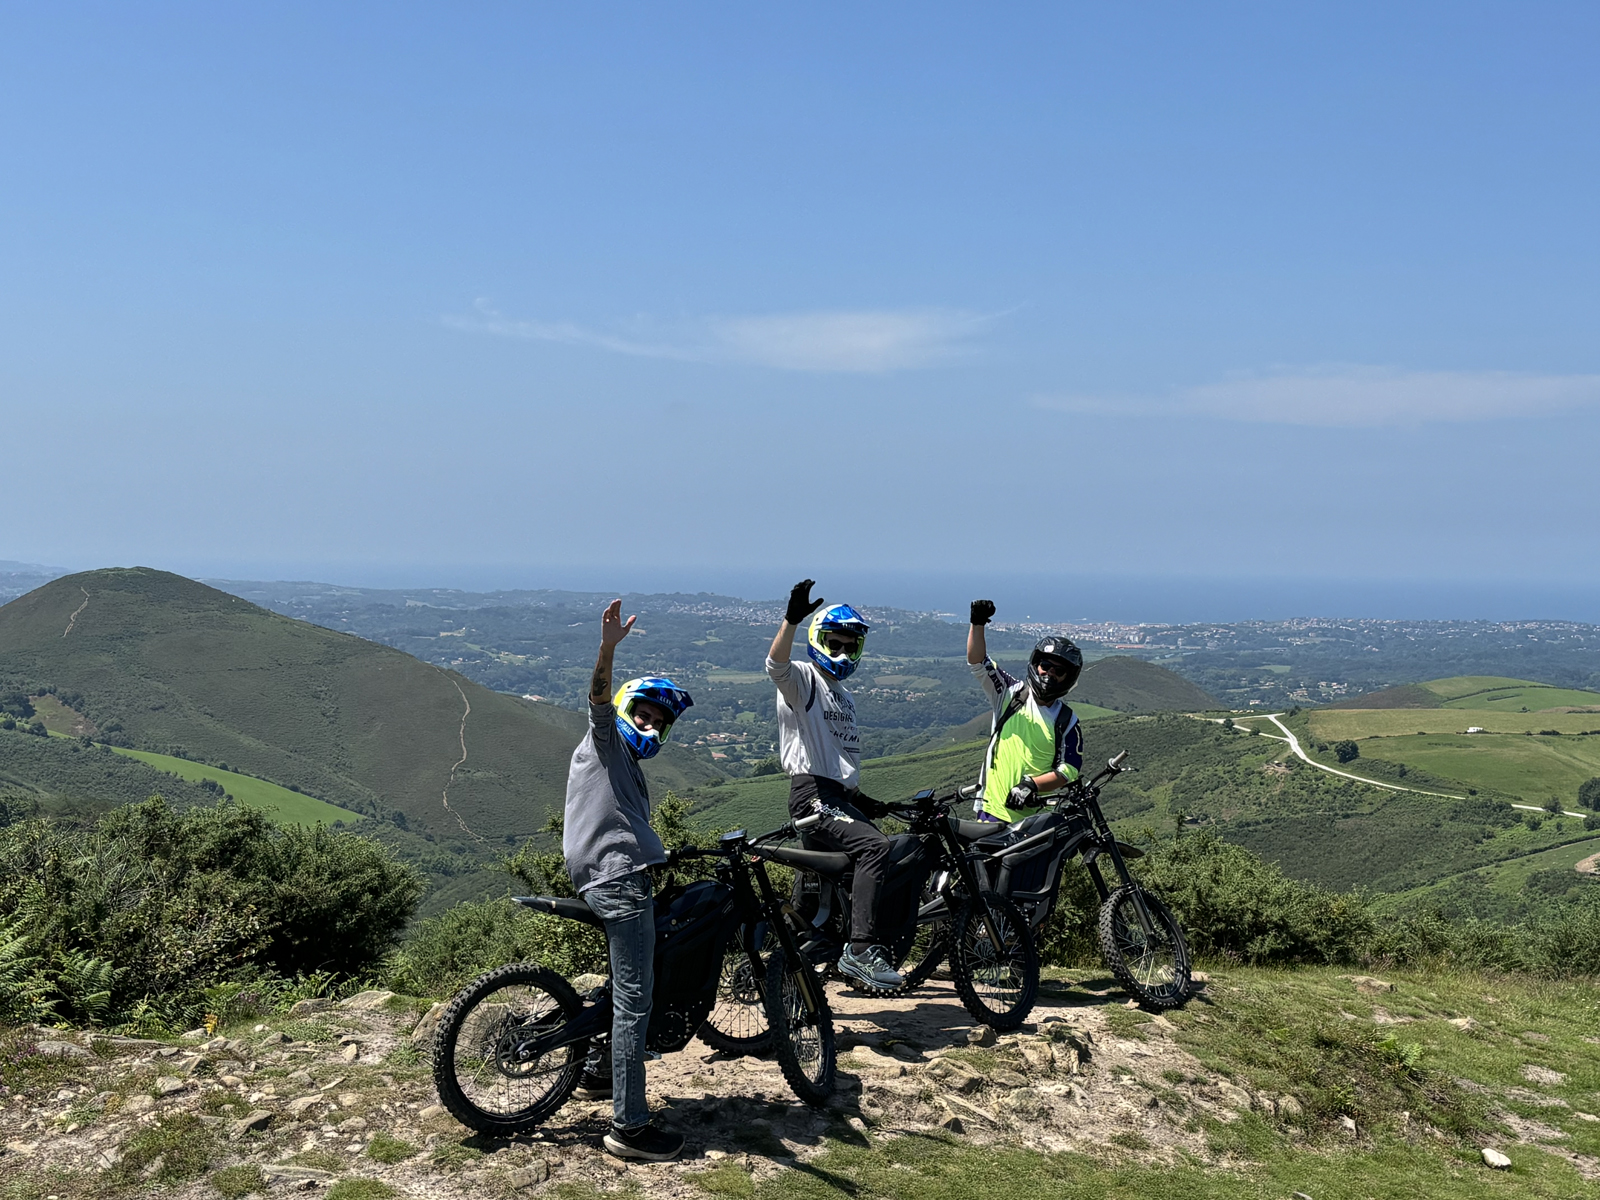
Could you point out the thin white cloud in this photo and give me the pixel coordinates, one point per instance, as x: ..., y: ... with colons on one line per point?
x: 863, y: 341
x: 1356, y: 396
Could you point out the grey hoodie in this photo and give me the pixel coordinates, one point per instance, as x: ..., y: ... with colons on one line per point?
x: 607, y: 832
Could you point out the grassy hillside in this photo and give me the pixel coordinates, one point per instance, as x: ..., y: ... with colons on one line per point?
x: 1133, y: 685
x: 1537, y: 741
x: 174, y: 668
x: 279, y: 803
x: 53, y: 774
x: 1316, y: 826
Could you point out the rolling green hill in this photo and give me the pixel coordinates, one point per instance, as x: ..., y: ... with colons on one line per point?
x: 171, y: 667
x: 1133, y: 685
x: 1316, y: 826
x: 1533, y: 741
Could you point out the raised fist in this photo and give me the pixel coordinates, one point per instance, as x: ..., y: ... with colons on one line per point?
x: 982, y: 611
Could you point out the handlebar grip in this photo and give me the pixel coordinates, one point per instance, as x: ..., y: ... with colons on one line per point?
x: 807, y: 821
x: 1116, y: 763
x: 970, y: 792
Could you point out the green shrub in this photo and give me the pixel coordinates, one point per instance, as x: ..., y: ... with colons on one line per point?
x: 139, y: 916
x: 1589, y: 793
x: 1235, y: 905
x: 1346, y: 751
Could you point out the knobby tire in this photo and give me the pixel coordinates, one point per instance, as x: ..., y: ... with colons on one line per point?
x: 1153, y: 971
x: 998, y: 986
x: 470, y: 1032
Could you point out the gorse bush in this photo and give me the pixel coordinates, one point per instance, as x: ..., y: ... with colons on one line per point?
x: 134, y: 917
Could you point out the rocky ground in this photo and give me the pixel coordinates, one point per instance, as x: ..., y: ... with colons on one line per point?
x: 339, y: 1097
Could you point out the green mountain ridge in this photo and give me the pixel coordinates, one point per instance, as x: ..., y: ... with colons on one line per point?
x: 175, y: 667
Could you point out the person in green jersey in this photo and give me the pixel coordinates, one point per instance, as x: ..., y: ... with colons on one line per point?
x: 1035, y: 741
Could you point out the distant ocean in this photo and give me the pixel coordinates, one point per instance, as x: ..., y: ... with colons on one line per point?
x: 1058, y: 597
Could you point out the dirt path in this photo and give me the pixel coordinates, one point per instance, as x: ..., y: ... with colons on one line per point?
x: 449, y: 783
x: 1588, y: 866
x: 73, y: 619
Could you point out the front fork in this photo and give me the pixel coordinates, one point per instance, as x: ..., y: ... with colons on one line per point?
x: 1108, y: 845
x: 810, y: 989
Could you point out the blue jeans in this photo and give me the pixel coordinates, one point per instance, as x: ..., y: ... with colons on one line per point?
x: 628, y: 909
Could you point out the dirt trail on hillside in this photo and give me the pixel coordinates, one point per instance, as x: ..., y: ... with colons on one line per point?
x: 73, y: 619
x: 460, y: 762
x: 1589, y: 866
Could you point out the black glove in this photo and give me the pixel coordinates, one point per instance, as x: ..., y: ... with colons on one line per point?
x: 982, y: 611
x: 870, y: 808
x: 801, y: 605
x: 1024, y: 795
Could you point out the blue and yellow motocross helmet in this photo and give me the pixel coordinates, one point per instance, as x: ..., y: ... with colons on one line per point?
x: 836, y: 619
x: 658, y: 691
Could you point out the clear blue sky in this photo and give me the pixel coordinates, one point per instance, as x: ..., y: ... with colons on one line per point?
x: 635, y: 295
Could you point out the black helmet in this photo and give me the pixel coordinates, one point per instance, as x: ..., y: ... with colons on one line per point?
x: 1047, y: 689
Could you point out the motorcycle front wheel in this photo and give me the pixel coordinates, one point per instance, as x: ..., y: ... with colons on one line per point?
x: 738, y: 1020
x: 998, y: 981
x: 803, y: 1041
x: 1153, y: 967
x: 479, y: 1064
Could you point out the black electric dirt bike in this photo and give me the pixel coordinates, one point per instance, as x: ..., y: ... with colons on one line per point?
x: 988, y: 942
x: 1141, y: 940
x: 512, y: 1045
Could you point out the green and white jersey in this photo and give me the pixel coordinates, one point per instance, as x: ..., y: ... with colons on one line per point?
x: 1025, y: 738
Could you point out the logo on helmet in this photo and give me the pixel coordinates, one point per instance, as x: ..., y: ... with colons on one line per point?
x: 838, y: 634
x: 662, y: 694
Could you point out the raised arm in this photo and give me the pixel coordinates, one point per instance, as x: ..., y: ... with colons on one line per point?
x: 800, y: 607
x: 612, y: 630
x: 977, y: 645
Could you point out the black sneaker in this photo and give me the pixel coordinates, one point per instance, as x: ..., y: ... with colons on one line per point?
x: 595, y: 1087
x: 646, y: 1143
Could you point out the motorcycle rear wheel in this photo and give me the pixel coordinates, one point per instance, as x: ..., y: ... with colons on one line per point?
x: 803, y: 1042
x: 997, y: 984
x: 474, y: 1066
x: 1153, y: 969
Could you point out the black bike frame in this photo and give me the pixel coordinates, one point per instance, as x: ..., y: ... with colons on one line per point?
x: 744, y: 867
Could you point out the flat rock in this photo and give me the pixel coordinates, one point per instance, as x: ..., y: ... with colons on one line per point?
x: 1369, y: 985
x: 60, y: 1050
x: 367, y: 1001
x: 981, y: 1035
x: 1534, y: 1073
x: 1464, y: 1024
x: 314, y: 1004
x: 134, y: 1105
x: 954, y: 1075
x: 865, y: 1058
x: 966, y: 1110
x: 293, y: 1171
x: 1233, y: 1095
x: 530, y: 1176
x: 351, y: 1052
x: 166, y: 1085
x: 424, y: 1031
x: 275, y: 1039
x: 303, y: 1104
x: 432, y: 1111
x: 349, y: 1099
x: 257, y: 1119
x: 1493, y: 1158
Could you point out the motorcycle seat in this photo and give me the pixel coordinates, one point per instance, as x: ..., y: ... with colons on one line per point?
x: 574, y: 909
x: 823, y: 862
x: 977, y: 831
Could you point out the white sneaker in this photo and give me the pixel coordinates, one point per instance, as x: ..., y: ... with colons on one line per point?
x: 870, y: 968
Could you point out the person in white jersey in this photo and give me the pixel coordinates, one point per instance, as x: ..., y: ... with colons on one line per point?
x: 821, y: 753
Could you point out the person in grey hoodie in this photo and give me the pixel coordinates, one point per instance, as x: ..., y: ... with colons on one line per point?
x: 609, y: 847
